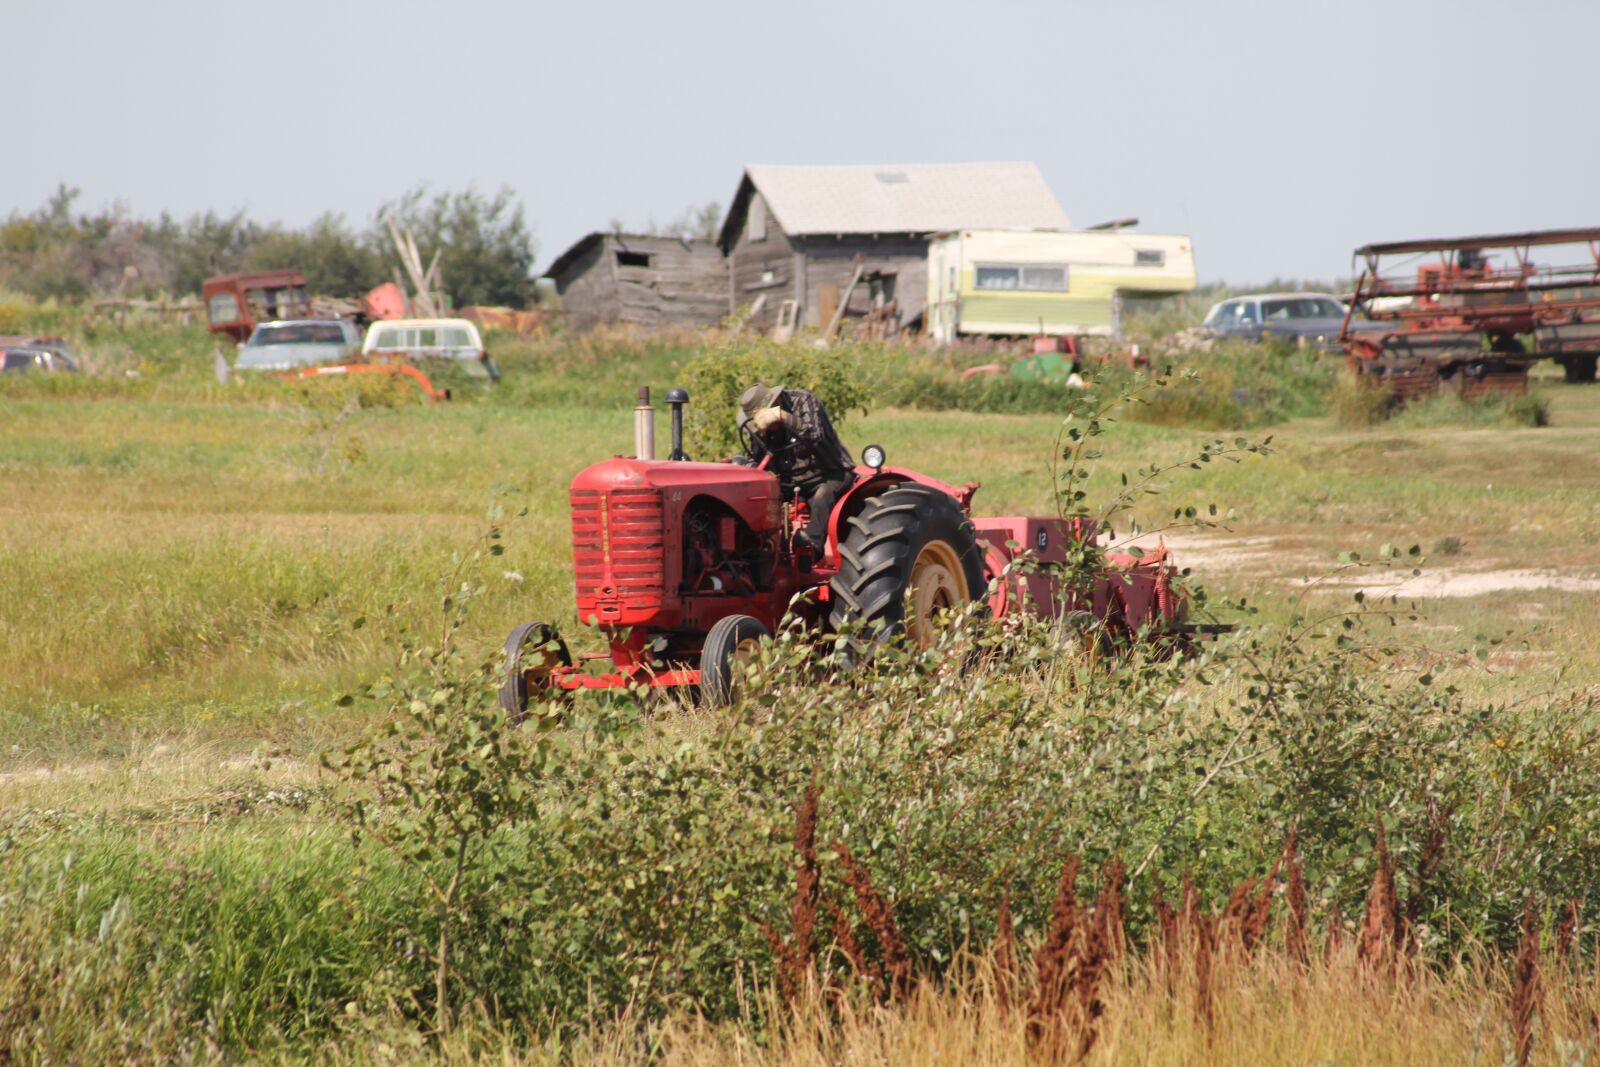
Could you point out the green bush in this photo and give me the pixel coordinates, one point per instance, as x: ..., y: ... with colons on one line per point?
x: 1358, y: 402
x: 717, y: 377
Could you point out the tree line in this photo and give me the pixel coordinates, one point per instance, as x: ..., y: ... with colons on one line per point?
x: 485, y: 248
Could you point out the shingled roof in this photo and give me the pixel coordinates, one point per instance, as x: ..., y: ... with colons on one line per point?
x: 899, y: 198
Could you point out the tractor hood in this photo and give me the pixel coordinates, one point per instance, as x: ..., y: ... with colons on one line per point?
x: 627, y: 530
x: 624, y: 472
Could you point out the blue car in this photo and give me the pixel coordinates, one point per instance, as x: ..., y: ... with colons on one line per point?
x: 1305, y: 318
x: 291, y: 344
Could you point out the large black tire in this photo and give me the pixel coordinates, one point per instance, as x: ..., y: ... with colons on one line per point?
x: 722, y: 658
x: 1579, y: 369
x: 909, y: 531
x: 532, y: 650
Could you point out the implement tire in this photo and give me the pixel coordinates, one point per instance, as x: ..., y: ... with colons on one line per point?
x: 1578, y: 369
x: 909, y: 554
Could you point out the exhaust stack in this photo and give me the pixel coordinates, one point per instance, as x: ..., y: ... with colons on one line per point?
x: 644, y: 426
x: 675, y: 400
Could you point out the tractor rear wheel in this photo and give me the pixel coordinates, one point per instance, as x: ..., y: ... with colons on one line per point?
x: 728, y: 648
x: 908, y: 555
x: 533, y: 650
x: 1578, y: 369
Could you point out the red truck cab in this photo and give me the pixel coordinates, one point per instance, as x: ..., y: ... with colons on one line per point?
x: 236, y: 303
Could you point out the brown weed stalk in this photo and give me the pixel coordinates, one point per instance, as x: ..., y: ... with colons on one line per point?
x: 1527, y: 994
x: 1110, y: 911
x: 1568, y: 931
x: 797, y: 956
x: 1071, y: 963
x: 1295, y: 940
x: 1204, y: 936
x: 1381, y: 929
x: 1167, y: 924
x: 844, y: 936
x: 879, y: 918
x: 1005, y: 953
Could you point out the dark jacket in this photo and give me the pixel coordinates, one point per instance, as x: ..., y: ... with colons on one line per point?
x: 807, y: 450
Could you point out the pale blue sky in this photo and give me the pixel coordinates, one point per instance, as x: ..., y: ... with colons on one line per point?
x: 1280, y: 135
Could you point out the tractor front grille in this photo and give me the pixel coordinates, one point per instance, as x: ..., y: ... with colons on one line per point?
x: 618, y: 553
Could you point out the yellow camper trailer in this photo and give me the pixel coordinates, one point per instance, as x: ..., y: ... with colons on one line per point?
x: 1055, y: 282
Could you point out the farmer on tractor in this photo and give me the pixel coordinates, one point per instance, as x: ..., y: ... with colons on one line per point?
x: 790, y: 429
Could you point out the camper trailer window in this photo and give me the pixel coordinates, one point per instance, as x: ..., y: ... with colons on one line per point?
x: 1149, y: 257
x: 997, y: 277
x: 1036, y: 279
x: 1045, y: 279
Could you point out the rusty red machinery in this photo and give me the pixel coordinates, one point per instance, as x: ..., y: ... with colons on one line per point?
x: 1479, y: 312
x: 395, y: 369
x: 684, y: 567
x: 236, y: 303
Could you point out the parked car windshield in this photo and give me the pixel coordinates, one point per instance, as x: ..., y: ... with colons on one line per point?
x: 1305, y: 307
x: 1231, y: 313
x: 298, y: 334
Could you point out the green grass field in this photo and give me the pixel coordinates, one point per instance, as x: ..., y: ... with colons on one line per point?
x: 194, y: 575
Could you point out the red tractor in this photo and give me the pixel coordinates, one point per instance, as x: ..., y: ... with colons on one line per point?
x: 685, y: 566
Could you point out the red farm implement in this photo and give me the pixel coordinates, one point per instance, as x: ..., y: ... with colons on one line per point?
x: 683, y: 567
x: 396, y: 370
x: 1477, y: 316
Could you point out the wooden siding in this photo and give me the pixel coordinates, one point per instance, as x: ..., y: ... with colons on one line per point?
x: 766, y: 268
x: 685, y: 284
x: 787, y: 268
x: 832, y: 261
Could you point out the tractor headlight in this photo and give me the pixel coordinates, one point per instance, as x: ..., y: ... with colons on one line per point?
x: 873, y: 456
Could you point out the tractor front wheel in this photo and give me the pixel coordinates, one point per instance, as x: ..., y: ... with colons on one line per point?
x: 533, y: 651
x: 908, y: 555
x: 728, y: 648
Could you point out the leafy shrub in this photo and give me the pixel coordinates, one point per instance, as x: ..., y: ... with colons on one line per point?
x: 718, y: 376
x: 1358, y: 401
x: 1492, y: 408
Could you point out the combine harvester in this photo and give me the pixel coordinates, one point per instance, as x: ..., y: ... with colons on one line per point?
x: 1480, y: 315
x: 684, y: 567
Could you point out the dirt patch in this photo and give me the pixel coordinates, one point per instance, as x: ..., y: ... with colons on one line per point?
x: 1440, y: 582
x: 1295, y: 561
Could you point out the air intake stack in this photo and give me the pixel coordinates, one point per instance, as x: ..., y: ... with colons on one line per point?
x: 644, y: 426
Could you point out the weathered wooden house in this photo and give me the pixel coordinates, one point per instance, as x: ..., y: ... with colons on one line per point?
x: 633, y: 278
x: 796, y: 237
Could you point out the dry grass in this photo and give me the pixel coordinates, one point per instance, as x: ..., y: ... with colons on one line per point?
x: 1268, y: 1009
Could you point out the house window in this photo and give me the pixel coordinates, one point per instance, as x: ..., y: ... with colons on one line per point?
x: 1149, y: 257
x: 758, y: 218
x: 633, y: 259
x: 1035, y: 279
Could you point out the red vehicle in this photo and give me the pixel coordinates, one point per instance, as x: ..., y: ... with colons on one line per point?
x: 685, y: 566
x: 1482, y: 313
x: 236, y: 303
